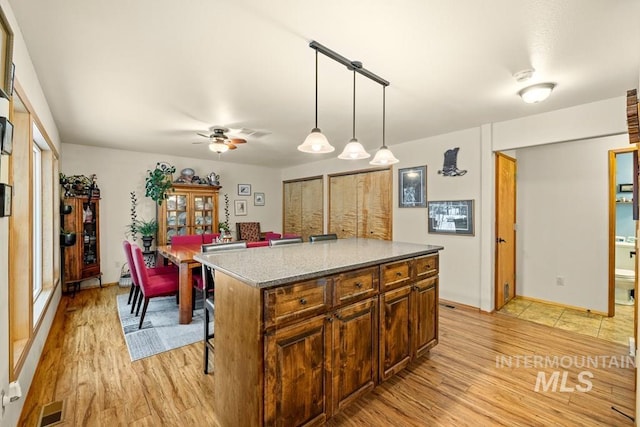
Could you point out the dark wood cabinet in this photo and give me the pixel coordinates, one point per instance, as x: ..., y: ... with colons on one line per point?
x: 409, y: 313
x: 82, y: 259
x: 296, y: 374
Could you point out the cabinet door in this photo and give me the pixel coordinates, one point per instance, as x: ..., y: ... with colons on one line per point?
x: 201, y: 216
x: 296, y: 379
x: 395, y: 318
x: 343, y: 205
x: 90, y: 238
x: 174, y: 217
x: 73, y: 254
x: 355, y: 336
x: 425, y: 315
x: 374, y: 208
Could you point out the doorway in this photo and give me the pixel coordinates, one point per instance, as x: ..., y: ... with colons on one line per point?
x: 505, y: 284
x: 623, y: 282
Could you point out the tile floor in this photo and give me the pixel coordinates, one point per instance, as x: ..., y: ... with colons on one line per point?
x: 617, y: 329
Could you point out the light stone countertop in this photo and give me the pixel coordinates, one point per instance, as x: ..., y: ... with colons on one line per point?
x: 266, y: 267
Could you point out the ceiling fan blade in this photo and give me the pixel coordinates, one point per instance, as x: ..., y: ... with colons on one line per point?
x: 238, y: 140
x: 205, y: 135
x: 197, y: 142
x: 231, y: 146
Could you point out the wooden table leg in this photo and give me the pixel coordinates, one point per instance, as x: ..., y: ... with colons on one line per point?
x: 185, y: 291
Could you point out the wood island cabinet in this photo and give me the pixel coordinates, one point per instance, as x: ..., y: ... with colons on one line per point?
x: 321, y: 343
x: 188, y: 209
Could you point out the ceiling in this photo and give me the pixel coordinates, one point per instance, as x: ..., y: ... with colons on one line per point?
x: 146, y: 75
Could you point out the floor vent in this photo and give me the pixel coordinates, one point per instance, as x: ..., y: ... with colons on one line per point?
x: 52, y: 414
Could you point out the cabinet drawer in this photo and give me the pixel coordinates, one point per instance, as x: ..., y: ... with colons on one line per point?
x: 297, y: 301
x: 395, y: 274
x: 426, y: 266
x: 356, y: 285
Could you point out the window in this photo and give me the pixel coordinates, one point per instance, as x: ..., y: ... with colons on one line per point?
x: 37, y: 220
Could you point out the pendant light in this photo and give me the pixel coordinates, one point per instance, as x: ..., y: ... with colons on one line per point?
x: 316, y: 142
x: 384, y: 156
x: 354, y: 150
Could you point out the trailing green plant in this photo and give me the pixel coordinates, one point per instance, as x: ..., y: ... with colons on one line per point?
x: 147, y: 228
x: 158, y: 182
x: 133, y: 226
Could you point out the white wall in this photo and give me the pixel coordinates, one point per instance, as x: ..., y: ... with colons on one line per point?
x: 119, y: 172
x: 563, y: 221
x: 460, y: 261
x: 28, y: 79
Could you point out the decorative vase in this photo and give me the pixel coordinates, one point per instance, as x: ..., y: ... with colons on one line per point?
x: 65, y: 209
x: 146, y: 243
x: 68, y: 239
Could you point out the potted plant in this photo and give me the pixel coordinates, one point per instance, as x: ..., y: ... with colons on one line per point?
x: 148, y: 229
x: 67, y: 238
x: 158, y: 182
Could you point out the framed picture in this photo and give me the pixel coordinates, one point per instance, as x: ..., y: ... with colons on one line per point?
x: 6, y: 56
x: 625, y: 188
x: 244, y: 189
x: 240, y: 207
x: 412, y: 191
x: 6, y: 136
x: 451, y: 217
x: 258, y: 199
x: 5, y: 200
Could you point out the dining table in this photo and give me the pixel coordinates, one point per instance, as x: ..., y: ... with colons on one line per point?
x: 183, y: 256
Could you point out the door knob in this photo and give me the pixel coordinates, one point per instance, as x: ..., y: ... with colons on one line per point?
x: 500, y: 240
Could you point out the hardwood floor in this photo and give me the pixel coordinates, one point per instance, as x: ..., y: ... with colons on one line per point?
x: 86, y: 363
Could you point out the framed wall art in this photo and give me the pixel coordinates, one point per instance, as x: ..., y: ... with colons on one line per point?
x: 451, y: 217
x: 412, y: 191
x: 5, y: 200
x: 240, y: 207
x: 6, y: 57
x: 244, y: 189
x: 258, y: 199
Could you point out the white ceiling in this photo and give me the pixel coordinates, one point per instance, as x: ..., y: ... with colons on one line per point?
x: 146, y: 75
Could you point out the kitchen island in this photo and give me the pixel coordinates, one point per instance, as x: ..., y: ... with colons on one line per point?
x: 302, y: 330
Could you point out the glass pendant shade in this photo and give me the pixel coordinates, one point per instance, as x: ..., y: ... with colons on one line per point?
x: 218, y: 147
x: 353, y: 151
x: 383, y: 157
x: 316, y: 142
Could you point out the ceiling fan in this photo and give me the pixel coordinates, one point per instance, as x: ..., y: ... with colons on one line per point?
x: 219, y: 141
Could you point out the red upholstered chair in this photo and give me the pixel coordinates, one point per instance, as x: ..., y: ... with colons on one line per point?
x: 290, y: 236
x: 159, y: 285
x: 270, y: 235
x: 248, y: 231
x: 185, y: 240
x: 209, y: 238
x: 135, y: 287
x: 258, y: 244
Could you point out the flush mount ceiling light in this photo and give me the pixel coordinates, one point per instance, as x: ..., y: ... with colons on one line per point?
x: 218, y: 147
x: 354, y: 150
x: 384, y: 156
x: 316, y: 142
x: 536, y: 93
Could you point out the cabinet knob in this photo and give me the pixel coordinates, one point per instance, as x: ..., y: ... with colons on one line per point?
x: 358, y: 285
x: 330, y: 319
x: 303, y: 301
x: 399, y: 274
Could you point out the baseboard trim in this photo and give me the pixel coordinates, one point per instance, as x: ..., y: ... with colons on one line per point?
x: 457, y: 305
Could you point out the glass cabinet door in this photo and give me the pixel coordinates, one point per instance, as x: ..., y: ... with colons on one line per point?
x: 176, y: 215
x: 202, y: 214
x: 89, y: 233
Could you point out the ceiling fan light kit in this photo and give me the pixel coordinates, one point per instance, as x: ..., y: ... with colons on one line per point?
x: 219, y: 142
x: 354, y: 149
x: 536, y: 93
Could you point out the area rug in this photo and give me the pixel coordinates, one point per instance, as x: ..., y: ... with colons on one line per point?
x: 160, y: 330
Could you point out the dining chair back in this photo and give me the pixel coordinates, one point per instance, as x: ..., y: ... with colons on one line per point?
x: 269, y: 235
x: 321, y: 237
x: 135, y: 287
x: 151, y: 286
x: 249, y: 231
x: 209, y: 237
x: 208, y: 293
x: 278, y: 242
x: 185, y: 240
